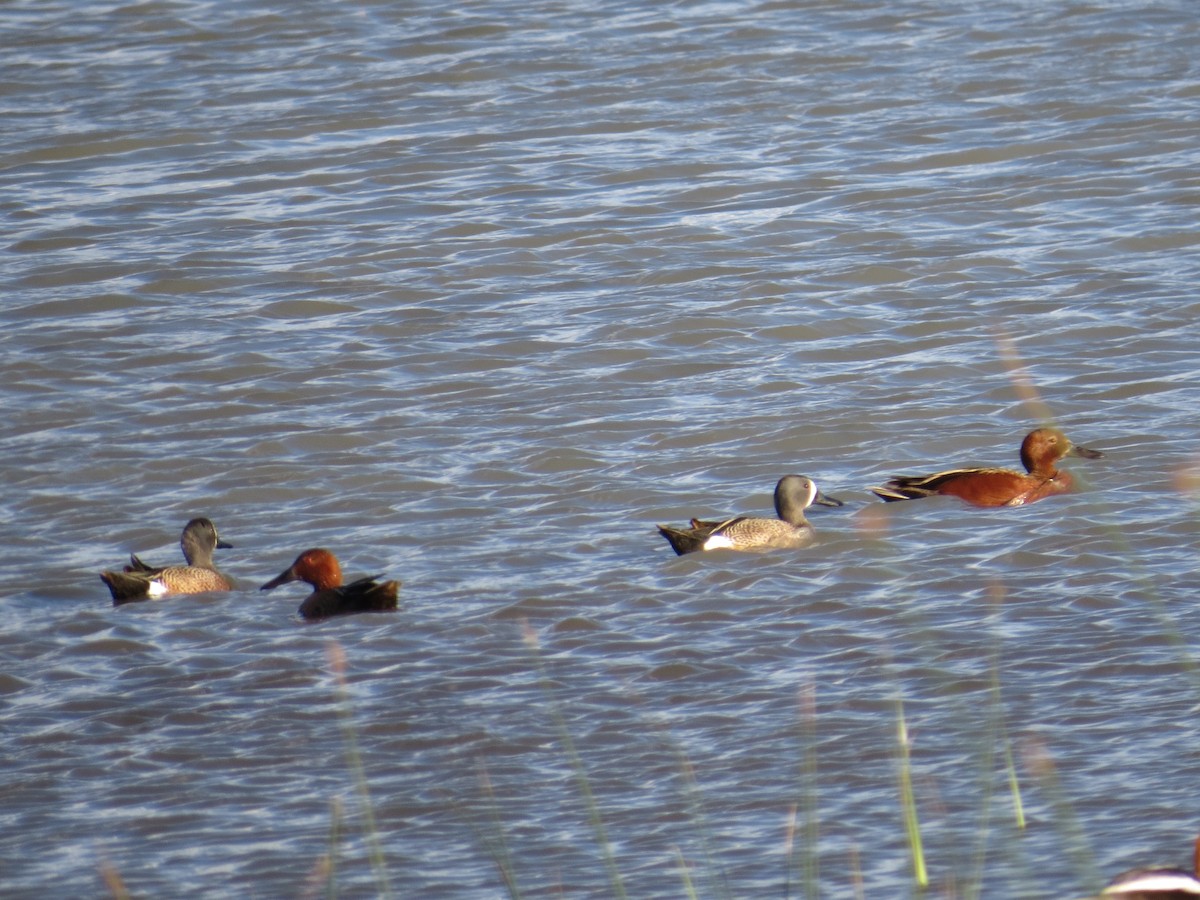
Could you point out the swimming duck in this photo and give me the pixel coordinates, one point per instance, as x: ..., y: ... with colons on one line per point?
x: 1040, y: 450
x: 1157, y: 884
x: 330, y: 597
x: 139, y: 581
x: 793, y: 495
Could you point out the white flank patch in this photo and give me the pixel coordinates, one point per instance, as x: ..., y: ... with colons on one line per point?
x: 718, y: 542
x: 1181, y: 883
x: 157, y: 589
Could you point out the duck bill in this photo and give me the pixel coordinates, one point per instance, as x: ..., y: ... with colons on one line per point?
x: 224, y: 545
x: 825, y: 500
x: 284, y: 577
x: 1084, y: 452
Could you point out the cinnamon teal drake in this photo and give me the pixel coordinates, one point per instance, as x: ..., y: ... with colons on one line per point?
x: 330, y: 597
x: 793, y: 495
x: 1040, y: 450
x: 139, y: 581
x: 1157, y: 884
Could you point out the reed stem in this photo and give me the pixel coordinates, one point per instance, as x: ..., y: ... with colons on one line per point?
x: 337, y: 665
x: 812, y: 818
x: 912, y: 826
x: 581, y: 778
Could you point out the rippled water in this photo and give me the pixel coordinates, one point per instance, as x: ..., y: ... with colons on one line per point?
x: 475, y: 296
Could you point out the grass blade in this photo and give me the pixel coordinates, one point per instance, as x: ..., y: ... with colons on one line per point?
x: 912, y: 826
x: 337, y: 665
x: 585, y: 787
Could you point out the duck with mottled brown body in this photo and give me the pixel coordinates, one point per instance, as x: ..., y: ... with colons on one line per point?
x: 793, y: 495
x: 330, y: 597
x: 139, y: 581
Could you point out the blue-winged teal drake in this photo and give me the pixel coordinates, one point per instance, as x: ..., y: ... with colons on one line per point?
x: 793, y: 495
x: 330, y: 597
x: 1040, y: 450
x: 139, y: 581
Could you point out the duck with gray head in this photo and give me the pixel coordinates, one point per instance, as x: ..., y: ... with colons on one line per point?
x: 793, y: 495
x: 139, y: 581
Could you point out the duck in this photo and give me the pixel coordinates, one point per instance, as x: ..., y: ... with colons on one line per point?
x: 1157, y: 884
x: 139, y: 581
x: 793, y: 495
x: 320, y: 568
x: 1041, y: 449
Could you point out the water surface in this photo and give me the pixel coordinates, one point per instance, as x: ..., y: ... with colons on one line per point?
x: 474, y: 296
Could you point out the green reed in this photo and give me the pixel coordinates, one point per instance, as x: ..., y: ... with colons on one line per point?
x: 684, y: 875
x: 495, y: 845
x: 856, y: 875
x: 908, y: 802
x: 999, y: 730
x: 1041, y: 764
x: 789, y: 841
x: 695, y: 804
x: 581, y: 778
x: 714, y: 875
x: 810, y: 795
x: 329, y: 875
x: 337, y: 666
x: 996, y: 734
x: 492, y: 840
